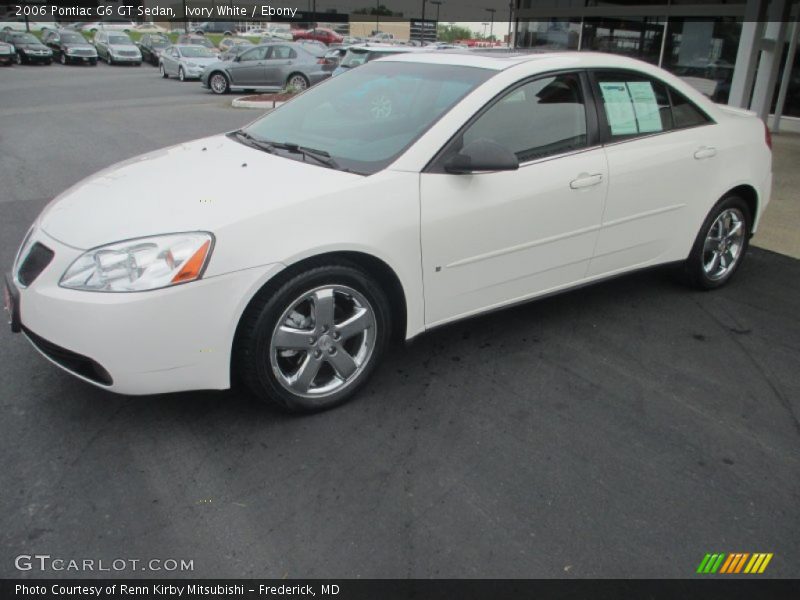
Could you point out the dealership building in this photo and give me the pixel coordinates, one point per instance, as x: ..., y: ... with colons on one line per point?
x: 740, y: 52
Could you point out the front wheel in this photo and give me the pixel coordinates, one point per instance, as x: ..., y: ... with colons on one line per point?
x: 314, y: 342
x: 63, y: 59
x: 181, y: 74
x: 18, y: 58
x: 218, y: 83
x: 163, y: 71
x: 720, y: 245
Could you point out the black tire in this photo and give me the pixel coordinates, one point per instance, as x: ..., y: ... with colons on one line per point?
x: 163, y: 70
x: 63, y: 58
x: 49, y: 61
x: 138, y: 64
x: 93, y: 62
x: 252, y: 349
x: 109, y: 60
x: 18, y: 58
x: 694, y: 272
x: 181, y: 74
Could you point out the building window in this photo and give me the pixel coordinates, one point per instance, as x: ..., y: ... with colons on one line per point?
x: 557, y: 34
x: 703, y: 53
x: 637, y: 37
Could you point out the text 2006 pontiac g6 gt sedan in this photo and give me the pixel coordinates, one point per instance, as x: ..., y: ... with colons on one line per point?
x: 407, y: 193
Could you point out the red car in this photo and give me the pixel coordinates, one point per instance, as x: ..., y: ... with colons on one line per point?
x: 321, y: 34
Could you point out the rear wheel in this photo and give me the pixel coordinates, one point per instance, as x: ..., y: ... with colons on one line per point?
x: 218, y: 83
x: 298, y: 81
x: 315, y: 341
x: 720, y: 245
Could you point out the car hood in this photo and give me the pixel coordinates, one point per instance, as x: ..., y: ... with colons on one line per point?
x: 26, y: 46
x: 123, y: 47
x: 204, y: 185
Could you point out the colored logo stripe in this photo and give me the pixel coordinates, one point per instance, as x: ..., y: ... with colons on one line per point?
x: 734, y: 563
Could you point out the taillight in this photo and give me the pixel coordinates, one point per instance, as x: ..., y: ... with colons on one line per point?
x: 767, y: 136
x: 324, y: 61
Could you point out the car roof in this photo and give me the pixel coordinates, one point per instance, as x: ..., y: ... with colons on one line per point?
x: 502, y: 59
x: 387, y: 48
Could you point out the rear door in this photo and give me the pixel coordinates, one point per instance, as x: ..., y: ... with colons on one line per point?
x: 661, y: 164
x: 278, y: 65
x: 250, y: 68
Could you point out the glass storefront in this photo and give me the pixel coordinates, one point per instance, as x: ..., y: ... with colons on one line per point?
x: 702, y: 51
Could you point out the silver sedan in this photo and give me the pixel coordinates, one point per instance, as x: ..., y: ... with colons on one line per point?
x: 185, y: 61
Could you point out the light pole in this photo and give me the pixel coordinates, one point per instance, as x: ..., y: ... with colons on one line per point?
x: 438, y: 4
x: 377, y: 15
x: 491, y: 28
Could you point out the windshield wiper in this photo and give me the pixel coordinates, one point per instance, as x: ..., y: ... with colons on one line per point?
x: 321, y: 156
x: 253, y: 141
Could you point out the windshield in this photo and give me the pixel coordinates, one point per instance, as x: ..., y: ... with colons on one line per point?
x: 119, y: 39
x: 366, y: 118
x: 196, y: 52
x: 159, y: 42
x: 25, y: 38
x: 72, y: 38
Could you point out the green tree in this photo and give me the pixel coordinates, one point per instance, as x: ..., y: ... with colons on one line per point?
x: 451, y: 33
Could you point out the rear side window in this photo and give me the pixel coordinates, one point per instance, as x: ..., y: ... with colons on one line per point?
x: 635, y: 105
x: 684, y: 113
x: 541, y: 118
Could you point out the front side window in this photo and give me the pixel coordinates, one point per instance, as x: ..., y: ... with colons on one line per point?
x: 255, y: 54
x: 541, y: 118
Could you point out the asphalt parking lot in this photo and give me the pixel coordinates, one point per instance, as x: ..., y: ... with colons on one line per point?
x: 621, y: 430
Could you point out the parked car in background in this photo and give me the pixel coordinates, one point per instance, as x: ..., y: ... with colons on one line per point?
x: 319, y: 34
x: 70, y: 47
x: 381, y: 37
x: 109, y: 25
x: 334, y: 56
x: 234, y: 49
x: 359, y: 55
x: 267, y: 67
x: 151, y: 45
x: 191, y: 39
x: 19, y: 24
x: 185, y: 62
x: 276, y: 32
x: 227, y: 42
x: 501, y: 181
x: 28, y: 49
x: 223, y: 27
x: 8, y: 55
x: 116, y: 48
x: 148, y: 28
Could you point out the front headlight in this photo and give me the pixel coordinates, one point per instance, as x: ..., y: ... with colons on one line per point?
x: 141, y: 264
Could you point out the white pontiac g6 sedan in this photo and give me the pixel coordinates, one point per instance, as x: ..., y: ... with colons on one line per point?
x: 410, y: 192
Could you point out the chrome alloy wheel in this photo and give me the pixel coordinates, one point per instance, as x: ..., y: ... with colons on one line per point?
x: 218, y: 83
x: 724, y: 242
x: 323, y: 341
x: 298, y: 82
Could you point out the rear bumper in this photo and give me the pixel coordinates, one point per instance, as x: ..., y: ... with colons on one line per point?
x: 169, y: 340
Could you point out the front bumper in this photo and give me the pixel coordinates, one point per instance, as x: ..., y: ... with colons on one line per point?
x: 37, y: 57
x: 169, y: 340
x: 126, y: 59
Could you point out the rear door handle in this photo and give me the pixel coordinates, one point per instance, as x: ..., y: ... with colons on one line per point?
x: 585, y: 180
x: 705, y: 152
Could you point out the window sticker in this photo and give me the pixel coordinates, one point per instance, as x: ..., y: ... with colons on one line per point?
x: 645, y: 106
x: 631, y: 107
x: 619, y: 108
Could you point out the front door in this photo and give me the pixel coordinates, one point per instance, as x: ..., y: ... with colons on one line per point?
x: 489, y: 239
x: 249, y: 69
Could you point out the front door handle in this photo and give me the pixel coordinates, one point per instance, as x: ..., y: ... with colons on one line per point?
x: 705, y: 152
x: 585, y: 180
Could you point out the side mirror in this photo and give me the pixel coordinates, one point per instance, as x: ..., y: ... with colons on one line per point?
x: 482, y: 155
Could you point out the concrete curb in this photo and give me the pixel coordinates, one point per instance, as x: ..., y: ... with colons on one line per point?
x: 243, y: 102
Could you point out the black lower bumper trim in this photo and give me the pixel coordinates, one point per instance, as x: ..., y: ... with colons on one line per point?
x: 72, y: 361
